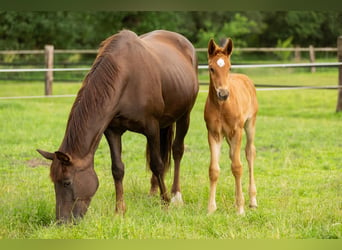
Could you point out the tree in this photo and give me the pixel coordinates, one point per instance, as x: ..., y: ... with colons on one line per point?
x: 69, y: 29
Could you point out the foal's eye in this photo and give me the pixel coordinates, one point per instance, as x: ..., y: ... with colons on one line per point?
x: 211, y: 70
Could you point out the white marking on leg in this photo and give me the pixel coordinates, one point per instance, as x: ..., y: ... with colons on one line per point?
x: 177, y: 199
x: 241, y: 210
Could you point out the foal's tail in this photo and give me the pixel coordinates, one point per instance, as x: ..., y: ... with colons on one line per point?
x: 166, y: 140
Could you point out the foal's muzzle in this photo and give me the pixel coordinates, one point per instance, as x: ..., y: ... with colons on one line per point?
x: 222, y: 94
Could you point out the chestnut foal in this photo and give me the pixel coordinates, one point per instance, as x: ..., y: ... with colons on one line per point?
x: 231, y: 106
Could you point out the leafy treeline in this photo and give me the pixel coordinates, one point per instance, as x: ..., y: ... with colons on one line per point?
x: 76, y: 30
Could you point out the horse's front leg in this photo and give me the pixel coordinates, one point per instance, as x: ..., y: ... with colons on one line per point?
x: 118, y: 168
x: 234, y: 141
x: 156, y: 163
x: 215, y: 142
x: 182, y: 127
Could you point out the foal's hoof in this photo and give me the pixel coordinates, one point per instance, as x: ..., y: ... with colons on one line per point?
x: 240, y: 211
x: 253, y: 203
x: 211, y: 209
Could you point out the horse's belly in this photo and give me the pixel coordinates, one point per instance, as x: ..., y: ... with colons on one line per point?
x: 176, y: 108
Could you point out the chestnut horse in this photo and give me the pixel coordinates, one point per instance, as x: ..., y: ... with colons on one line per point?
x: 142, y: 84
x: 231, y: 106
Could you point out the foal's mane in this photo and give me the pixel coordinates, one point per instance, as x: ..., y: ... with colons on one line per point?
x: 97, y: 90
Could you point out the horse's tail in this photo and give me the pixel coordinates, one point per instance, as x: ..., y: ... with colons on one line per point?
x: 166, y: 140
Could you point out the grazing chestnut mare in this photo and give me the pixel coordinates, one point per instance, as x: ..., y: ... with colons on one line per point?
x: 231, y: 106
x: 142, y: 84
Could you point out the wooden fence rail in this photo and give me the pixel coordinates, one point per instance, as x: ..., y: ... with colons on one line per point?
x: 339, y: 57
x: 49, y: 52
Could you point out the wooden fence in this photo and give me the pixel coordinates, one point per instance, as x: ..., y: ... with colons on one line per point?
x: 49, y: 52
x: 339, y: 57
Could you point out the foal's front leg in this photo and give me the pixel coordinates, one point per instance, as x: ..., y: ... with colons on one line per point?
x: 215, y: 142
x: 234, y: 141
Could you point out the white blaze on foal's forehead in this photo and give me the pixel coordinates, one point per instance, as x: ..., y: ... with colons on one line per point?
x: 220, y: 62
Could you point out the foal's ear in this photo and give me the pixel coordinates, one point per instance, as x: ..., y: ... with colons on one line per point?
x: 63, y: 157
x: 46, y: 155
x: 228, y: 47
x: 211, y: 47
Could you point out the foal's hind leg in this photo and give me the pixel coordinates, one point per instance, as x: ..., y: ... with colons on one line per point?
x: 118, y: 168
x: 250, y: 155
x: 182, y: 127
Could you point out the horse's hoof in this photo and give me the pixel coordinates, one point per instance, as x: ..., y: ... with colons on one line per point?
x: 177, y: 199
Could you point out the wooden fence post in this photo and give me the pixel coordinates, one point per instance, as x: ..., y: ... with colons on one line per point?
x: 339, y: 57
x: 312, y: 57
x: 49, y: 65
x: 297, y: 53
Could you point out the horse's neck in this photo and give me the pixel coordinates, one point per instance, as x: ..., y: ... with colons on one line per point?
x: 83, y: 135
x: 81, y: 142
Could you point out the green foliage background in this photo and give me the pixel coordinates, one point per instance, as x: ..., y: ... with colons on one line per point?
x: 85, y: 29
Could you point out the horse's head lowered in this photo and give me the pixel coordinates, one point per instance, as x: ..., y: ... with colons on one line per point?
x: 219, y: 67
x: 75, y: 184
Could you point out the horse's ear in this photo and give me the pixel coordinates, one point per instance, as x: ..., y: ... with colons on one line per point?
x: 46, y: 155
x: 228, y: 48
x: 211, y: 47
x: 63, y: 157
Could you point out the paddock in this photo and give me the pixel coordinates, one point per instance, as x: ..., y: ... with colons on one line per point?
x: 297, y: 169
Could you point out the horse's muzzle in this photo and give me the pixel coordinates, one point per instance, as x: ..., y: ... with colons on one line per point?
x: 222, y: 94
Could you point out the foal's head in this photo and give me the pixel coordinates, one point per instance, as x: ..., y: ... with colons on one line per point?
x: 219, y: 67
x: 75, y: 184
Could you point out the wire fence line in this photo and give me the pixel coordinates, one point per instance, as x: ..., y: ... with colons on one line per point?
x: 43, y: 70
x: 95, y: 51
x: 237, y: 66
x: 258, y: 87
x: 200, y: 91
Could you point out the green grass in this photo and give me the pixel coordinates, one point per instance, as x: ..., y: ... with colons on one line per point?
x: 298, y: 171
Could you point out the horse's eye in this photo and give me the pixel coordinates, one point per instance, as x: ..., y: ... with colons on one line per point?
x: 211, y: 70
x: 66, y: 183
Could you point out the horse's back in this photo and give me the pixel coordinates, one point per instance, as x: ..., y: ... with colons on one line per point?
x: 158, y: 70
x: 173, y: 40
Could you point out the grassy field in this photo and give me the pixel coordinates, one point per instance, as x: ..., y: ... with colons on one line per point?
x: 298, y: 171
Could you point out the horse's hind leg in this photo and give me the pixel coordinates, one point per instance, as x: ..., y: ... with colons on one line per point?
x: 250, y: 155
x: 118, y: 168
x: 182, y: 127
x: 152, y: 134
x: 166, y: 136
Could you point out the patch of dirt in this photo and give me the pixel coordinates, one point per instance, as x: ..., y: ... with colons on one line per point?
x: 33, y: 163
